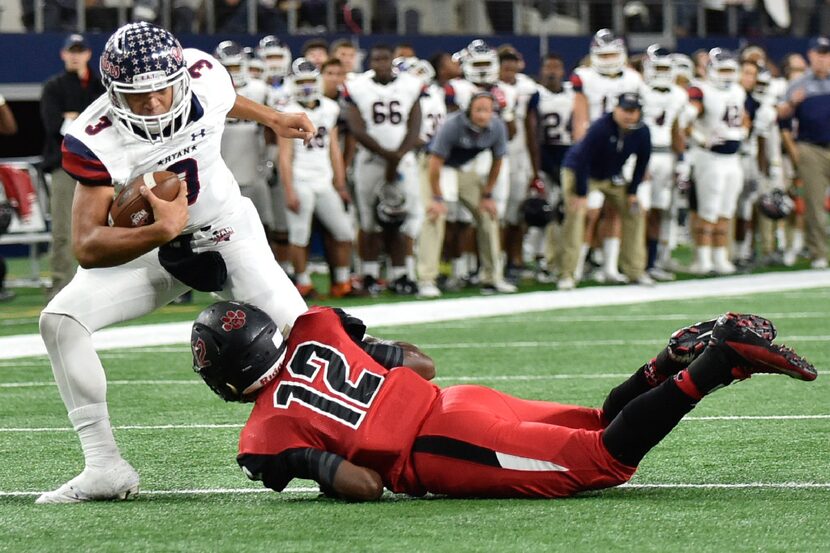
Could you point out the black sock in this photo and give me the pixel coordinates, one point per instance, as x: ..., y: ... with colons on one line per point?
x: 645, y: 421
x: 650, y: 375
x: 710, y: 371
x: 651, y: 245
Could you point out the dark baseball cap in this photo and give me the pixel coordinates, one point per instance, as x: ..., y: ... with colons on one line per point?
x: 629, y: 100
x: 820, y: 44
x: 75, y: 41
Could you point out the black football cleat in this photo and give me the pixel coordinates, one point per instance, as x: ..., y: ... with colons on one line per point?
x: 686, y: 344
x: 743, y: 337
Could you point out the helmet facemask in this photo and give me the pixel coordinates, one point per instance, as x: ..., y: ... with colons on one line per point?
x: 153, y: 128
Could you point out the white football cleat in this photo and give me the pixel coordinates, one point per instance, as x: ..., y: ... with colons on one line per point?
x: 119, y: 481
x: 428, y: 290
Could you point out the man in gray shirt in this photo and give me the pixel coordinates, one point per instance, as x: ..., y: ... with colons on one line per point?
x: 452, y: 179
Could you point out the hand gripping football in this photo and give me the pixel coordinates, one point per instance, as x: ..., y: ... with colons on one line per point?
x: 130, y: 209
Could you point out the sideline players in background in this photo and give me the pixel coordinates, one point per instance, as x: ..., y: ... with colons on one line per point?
x: 384, y: 115
x: 663, y: 103
x: 719, y: 127
x: 243, y: 142
x: 314, y: 181
x: 548, y: 126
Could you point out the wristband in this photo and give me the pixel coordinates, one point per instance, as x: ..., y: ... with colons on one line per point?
x: 2, y: 100
x: 437, y: 198
x: 487, y: 195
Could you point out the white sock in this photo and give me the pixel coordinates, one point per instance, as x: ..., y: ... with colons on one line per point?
x: 798, y: 241
x: 287, y: 267
x: 303, y: 279
x: 720, y: 256
x: 459, y: 267
x: 398, y: 272
x: 410, y: 267
x: 611, y: 253
x: 342, y: 274
x: 580, y: 263
x: 472, y: 261
x: 704, y: 256
x: 92, y: 423
x: 372, y: 269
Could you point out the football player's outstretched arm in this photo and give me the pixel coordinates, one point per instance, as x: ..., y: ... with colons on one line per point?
x: 412, y: 358
x: 96, y: 244
x: 356, y: 483
x: 287, y: 125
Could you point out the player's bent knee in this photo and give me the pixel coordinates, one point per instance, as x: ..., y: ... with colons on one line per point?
x: 54, y: 326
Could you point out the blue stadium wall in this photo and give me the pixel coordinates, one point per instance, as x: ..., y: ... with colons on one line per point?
x: 35, y: 57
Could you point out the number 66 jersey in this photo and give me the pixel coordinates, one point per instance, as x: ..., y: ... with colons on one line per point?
x: 97, y: 151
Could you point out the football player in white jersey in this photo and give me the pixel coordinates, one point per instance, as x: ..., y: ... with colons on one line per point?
x: 663, y: 103
x: 164, y: 109
x: 548, y: 125
x: 597, y: 88
x: 384, y: 115
x: 719, y: 128
x: 243, y: 142
x: 314, y: 181
x: 518, y: 151
x: 754, y: 163
x: 256, y: 65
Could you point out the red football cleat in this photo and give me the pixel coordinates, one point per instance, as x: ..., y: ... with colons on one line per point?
x: 686, y: 344
x: 754, y: 352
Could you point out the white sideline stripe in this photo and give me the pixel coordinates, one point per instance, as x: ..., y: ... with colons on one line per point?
x: 130, y: 352
x: 235, y: 425
x: 684, y: 318
x: 383, y: 315
x: 477, y: 378
x: 315, y: 491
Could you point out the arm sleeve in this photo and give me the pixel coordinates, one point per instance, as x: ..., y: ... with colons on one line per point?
x: 387, y: 354
x: 533, y: 102
x: 643, y: 156
x: 276, y: 471
x: 82, y: 164
x: 576, y: 81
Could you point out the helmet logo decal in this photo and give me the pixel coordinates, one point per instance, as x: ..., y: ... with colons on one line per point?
x: 177, y: 53
x: 110, y: 68
x: 233, y: 320
x: 199, y: 353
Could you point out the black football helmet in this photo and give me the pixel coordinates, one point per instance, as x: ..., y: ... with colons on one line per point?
x: 776, y: 204
x: 236, y: 348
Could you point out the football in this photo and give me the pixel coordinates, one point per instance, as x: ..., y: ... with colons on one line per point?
x: 129, y: 208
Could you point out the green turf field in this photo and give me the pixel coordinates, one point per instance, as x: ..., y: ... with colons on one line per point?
x: 748, y: 471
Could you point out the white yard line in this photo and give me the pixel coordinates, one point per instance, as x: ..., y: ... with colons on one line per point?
x: 311, y: 490
x: 235, y: 425
x: 12, y: 347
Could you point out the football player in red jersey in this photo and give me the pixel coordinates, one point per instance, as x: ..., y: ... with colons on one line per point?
x: 348, y: 413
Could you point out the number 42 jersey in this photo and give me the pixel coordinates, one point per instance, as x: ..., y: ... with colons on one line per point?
x: 334, y: 397
x: 98, y: 151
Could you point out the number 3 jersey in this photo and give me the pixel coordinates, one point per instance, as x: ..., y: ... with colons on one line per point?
x: 98, y: 152
x: 385, y: 107
x: 334, y: 397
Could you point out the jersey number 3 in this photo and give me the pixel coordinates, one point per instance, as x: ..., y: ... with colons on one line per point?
x: 342, y: 401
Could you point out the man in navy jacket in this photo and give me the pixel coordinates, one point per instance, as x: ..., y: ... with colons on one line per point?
x: 595, y: 163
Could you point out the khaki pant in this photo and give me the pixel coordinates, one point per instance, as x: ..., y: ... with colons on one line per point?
x: 814, y: 170
x: 63, y: 263
x: 431, y: 238
x: 633, y: 244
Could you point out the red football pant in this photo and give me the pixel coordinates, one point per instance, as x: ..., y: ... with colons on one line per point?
x: 479, y: 442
